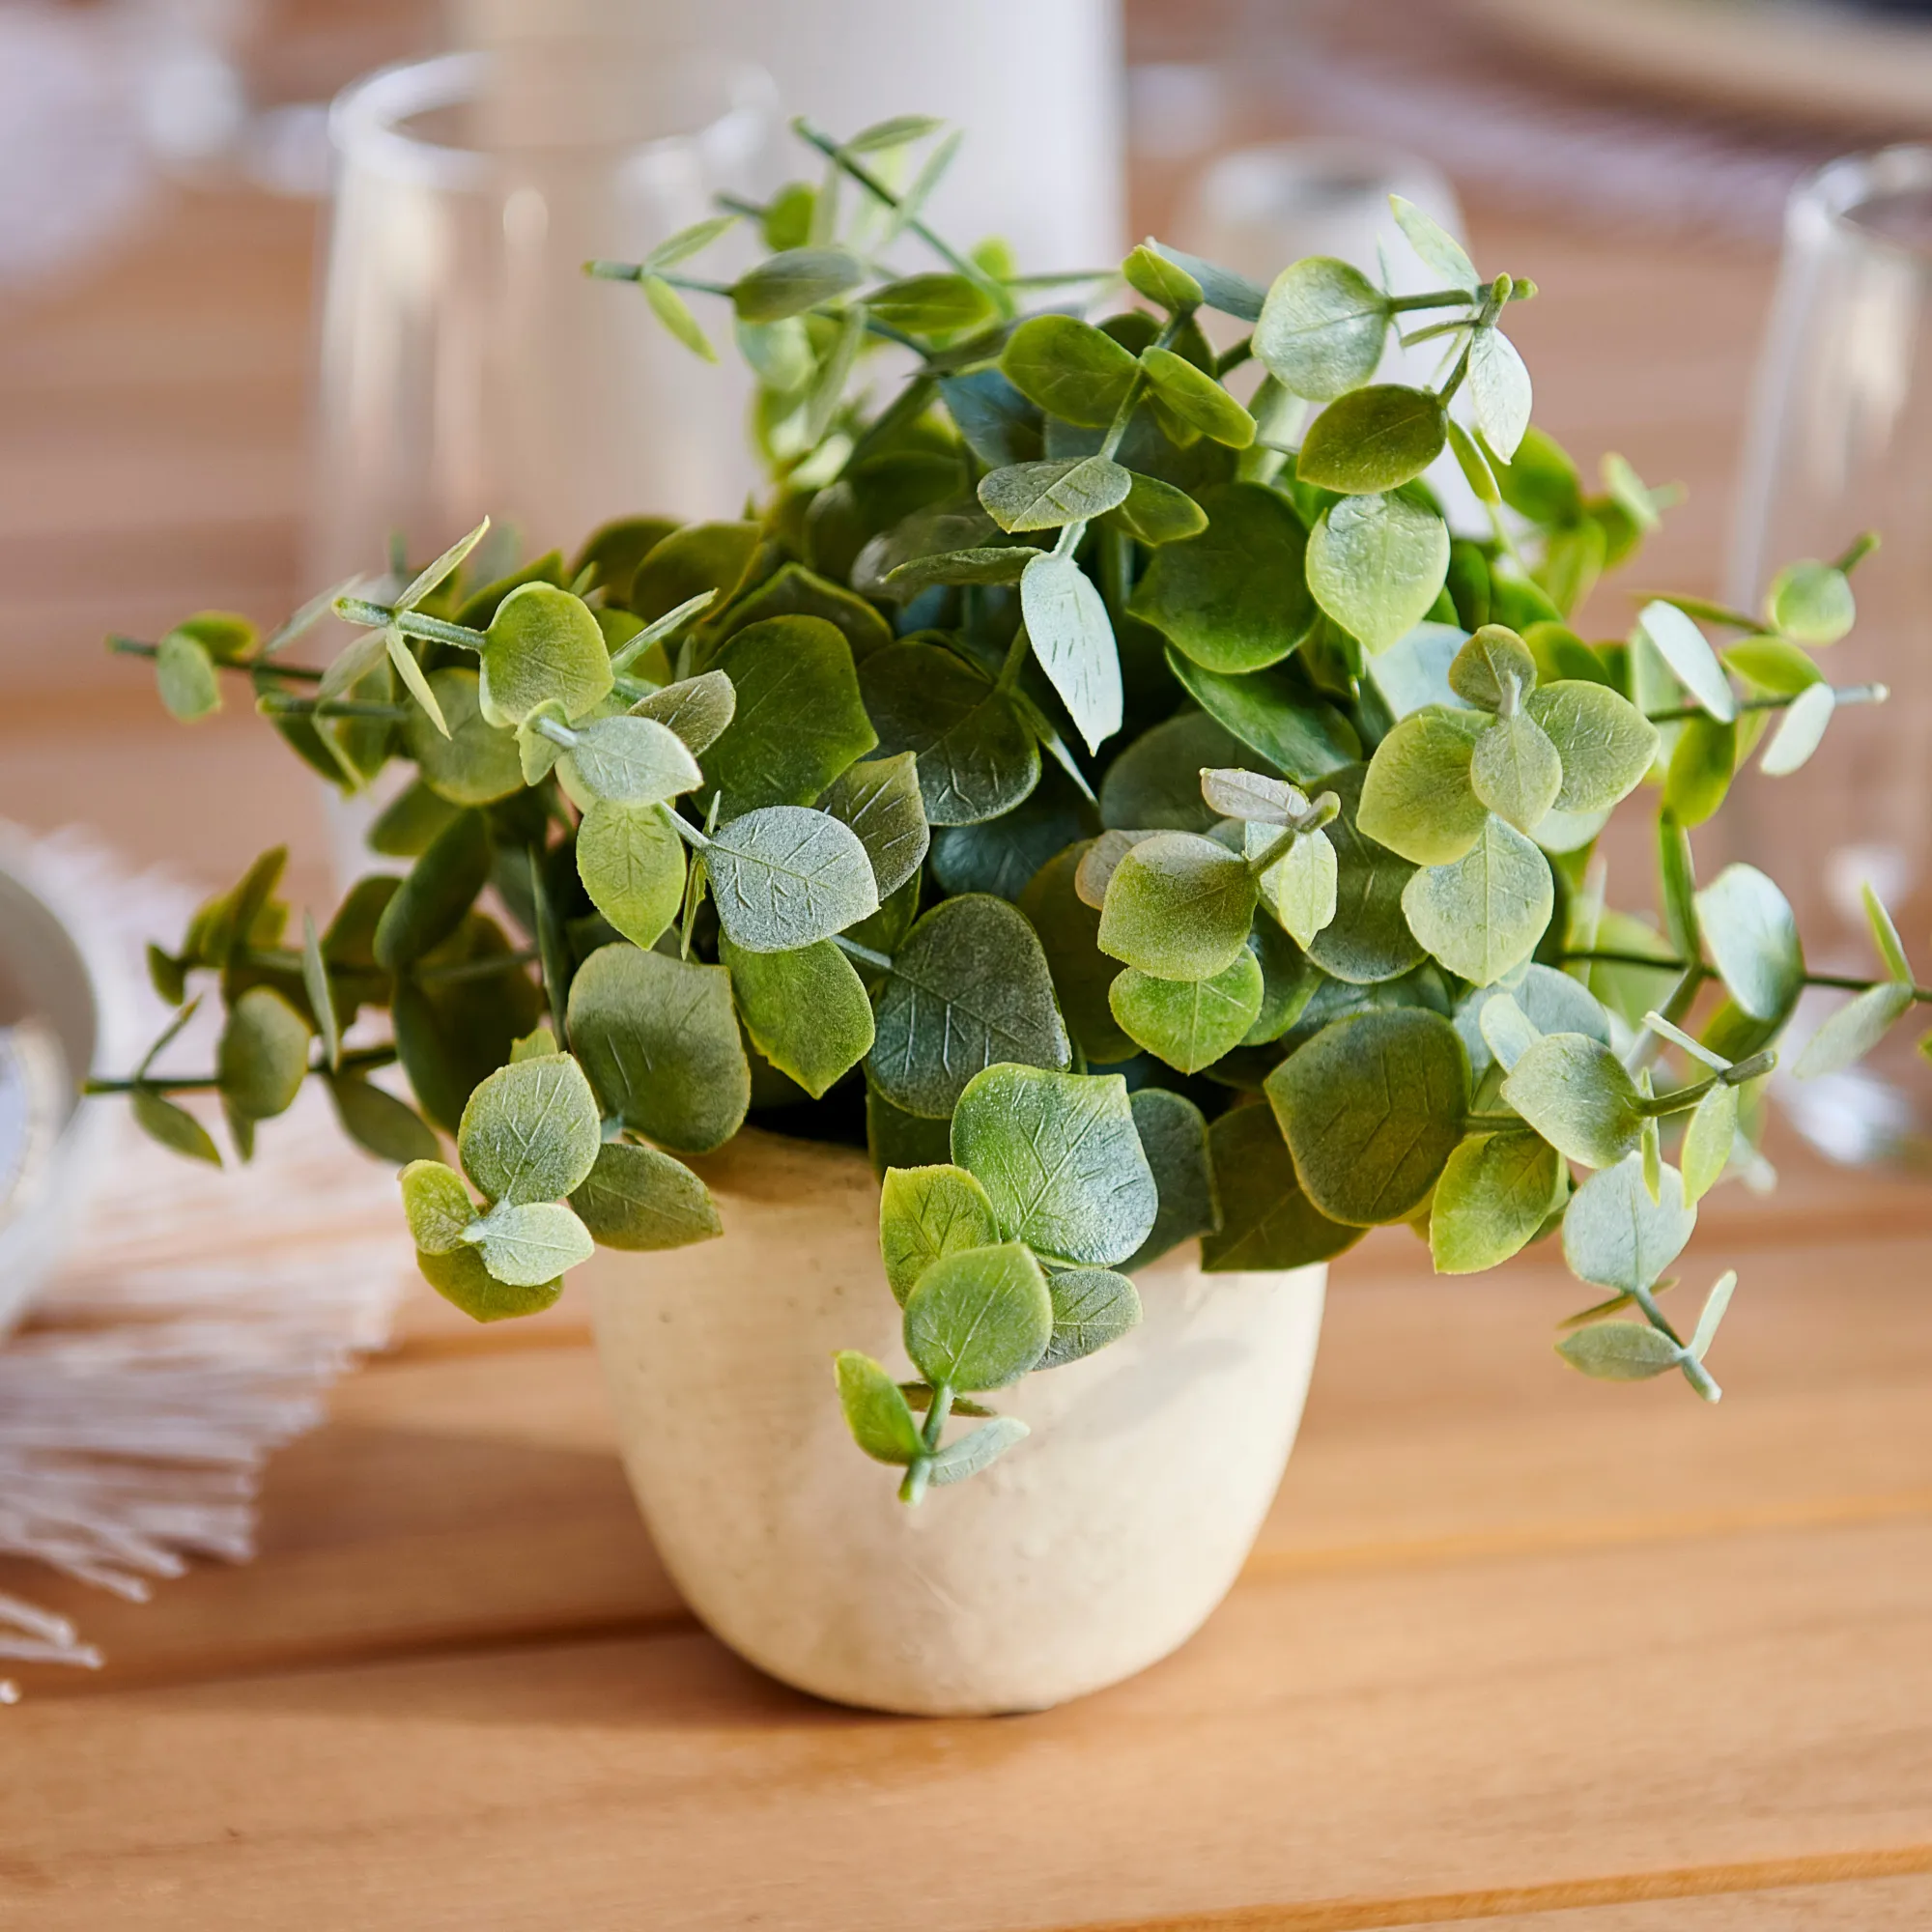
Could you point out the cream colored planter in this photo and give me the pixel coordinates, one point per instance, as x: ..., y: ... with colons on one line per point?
x: 1090, y: 1550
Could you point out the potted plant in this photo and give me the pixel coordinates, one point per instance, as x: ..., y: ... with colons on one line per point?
x: 1128, y: 813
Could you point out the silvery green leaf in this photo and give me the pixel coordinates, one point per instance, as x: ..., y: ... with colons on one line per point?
x: 526, y: 1246
x: 880, y: 801
x: 1267, y: 1223
x: 1574, y: 1091
x: 537, y: 752
x: 1800, y: 731
x: 1499, y: 390
x: 635, y: 1198
x: 1220, y: 288
x: 1507, y: 1031
x: 1322, y: 328
x: 794, y: 280
x: 321, y: 997
x: 1708, y: 1141
x: 414, y: 681
x: 1174, y: 1137
x: 463, y: 1279
x: 1490, y: 666
x: 805, y: 1010
x: 1716, y: 1304
x: 656, y: 631
x: 1496, y: 1193
x: 1091, y: 1308
x: 1069, y: 368
x: 1372, y: 1108
x: 1751, y: 937
x: 1300, y: 888
x: 969, y: 987
x: 1252, y: 796
x: 1852, y: 1032
x: 1413, y: 671
x: 1177, y: 906
x: 1515, y: 770
x: 659, y: 1037
x: 1376, y: 565
x: 927, y: 1213
x: 425, y: 581
x: 1067, y: 625
x: 437, y: 1206
x: 1667, y: 1029
x: 1885, y: 936
x: 875, y: 1409
x: 1811, y: 602
x: 1483, y: 916
x: 1059, y: 1160
x: 978, y: 1318
x: 1436, y: 248
x: 185, y: 674
x: 378, y: 1123
x: 1045, y: 495
x: 631, y: 863
x: 1097, y: 865
x: 1615, y: 1235
x: 530, y: 1131
x: 1369, y: 939
x: 1188, y: 1023
x: 542, y: 643
x: 1605, y: 743
x: 973, y: 1453
x: 1271, y: 714
x: 1621, y: 1351
x: 1692, y: 663
x: 783, y: 876
x: 630, y: 760
x: 262, y: 1058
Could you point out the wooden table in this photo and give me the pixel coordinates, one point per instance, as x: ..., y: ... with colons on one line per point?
x: 1515, y: 1649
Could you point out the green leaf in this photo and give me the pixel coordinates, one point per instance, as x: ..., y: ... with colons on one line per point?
x: 976, y: 758
x: 1376, y: 565
x: 1751, y: 937
x: 1800, y: 731
x: 1496, y: 1193
x: 1045, y: 495
x: 699, y: 557
x: 262, y: 1058
x: 1811, y: 602
x: 1155, y: 513
x: 378, y: 1123
x: 1268, y: 713
x: 1322, y: 328
x: 1621, y: 1351
x: 1069, y: 930
x: 978, y: 1318
x: 1220, y: 288
x: 672, y: 310
x: 1091, y: 1307
x: 805, y: 1010
x: 632, y: 761
x: 1492, y: 664
x: 1372, y: 1108
x: 1197, y: 398
x: 462, y: 1279
x: 1605, y: 743
x: 442, y: 886
x: 1702, y: 764
x: 1067, y: 625
x: 1369, y: 939
x: 1772, y: 665
x: 1483, y: 916
x: 184, y: 674
x: 1059, y: 1160
x: 1503, y: 1026
x: 1179, y: 907
x: 696, y: 708
x: 1164, y: 283
x: 637, y: 1198
x: 1682, y: 645
x: 784, y: 877
x: 1002, y: 855
x: 1574, y: 1091
x: 320, y: 999
x: 473, y: 762
x: 1252, y: 797
x: 1436, y: 248
x: 408, y: 824
x: 1885, y: 936
x: 542, y: 643
x: 437, y: 1206
x: 987, y: 564
x: 1267, y: 1222
x: 1615, y: 1235
x: 928, y: 1213
x: 1000, y: 425
x: 1069, y: 369
x: 1499, y: 390
x: 1711, y: 1314
x: 894, y: 1138
x: 968, y: 988
x: 1419, y: 798
x: 531, y: 1244
x: 1189, y: 1024
x: 451, y: 1034
x: 794, y: 280
x: 1373, y: 440
x: 1851, y: 1033
x: 1154, y: 782
x: 931, y: 304
x: 800, y: 719
x: 1708, y: 1141
x: 1234, y: 598
x: 1174, y: 1137
x: 976, y: 1452
x: 880, y: 801
x: 1300, y: 888
x: 631, y: 864
x: 173, y: 1127
x: 1516, y: 771
x: 688, y: 242
x: 658, y: 1038
x: 875, y: 1409
x: 530, y: 1131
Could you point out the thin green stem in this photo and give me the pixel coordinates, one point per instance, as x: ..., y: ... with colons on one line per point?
x: 1484, y: 318
x: 279, y: 704
x: 1843, y: 982
x: 363, y: 1058
x: 879, y: 961
x: 1231, y: 359
x: 412, y: 623
x: 1017, y: 652
x: 134, y: 648
x: 1844, y: 694
x: 1433, y: 299
x: 684, y: 829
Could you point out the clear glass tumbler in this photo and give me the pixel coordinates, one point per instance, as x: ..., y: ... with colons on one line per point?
x: 1840, y: 442
x: 467, y: 363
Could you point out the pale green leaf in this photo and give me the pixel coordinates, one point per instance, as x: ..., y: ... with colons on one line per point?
x: 530, y: 1244
x: 1178, y: 907
x: 805, y: 1010
x: 1189, y: 1023
x: 1322, y: 328
x: 437, y: 1205
x: 1091, y: 1307
x: 1615, y: 1235
x: 978, y: 1318
x: 875, y: 1409
x: 635, y: 1198
x: 1496, y: 1191
x: 1751, y: 937
x: 1574, y: 1091
x: 633, y: 865
x: 1419, y: 798
x: 1067, y: 625
x: 530, y: 1131
x: 1047, y: 494
x: 1681, y: 646
x: 1483, y: 916
x: 1376, y: 565
x: 1851, y: 1033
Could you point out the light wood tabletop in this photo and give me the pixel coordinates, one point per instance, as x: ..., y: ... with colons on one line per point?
x: 1516, y: 1649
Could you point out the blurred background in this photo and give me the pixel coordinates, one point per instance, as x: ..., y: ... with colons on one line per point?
x: 188, y: 420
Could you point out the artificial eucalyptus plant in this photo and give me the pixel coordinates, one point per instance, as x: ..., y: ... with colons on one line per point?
x: 1130, y: 810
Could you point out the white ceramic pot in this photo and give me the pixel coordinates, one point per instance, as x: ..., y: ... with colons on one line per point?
x: 1091, y: 1550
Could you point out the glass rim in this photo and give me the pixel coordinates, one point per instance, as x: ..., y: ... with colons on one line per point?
x: 1825, y: 202
x: 366, y: 119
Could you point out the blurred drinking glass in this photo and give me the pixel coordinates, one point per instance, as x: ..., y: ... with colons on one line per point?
x: 1840, y: 442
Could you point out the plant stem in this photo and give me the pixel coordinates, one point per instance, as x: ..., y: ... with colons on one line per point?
x: 684, y: 829
x: 367, y: 1057
x: 1843, y: 982
x: 1844, y: 694
x: 1433, y: 299
x: 134, y: 647
x: 881, y: 961
x: 412, y: 623
x: 478, y: 969
x: 1017, y: 656
x: 278, y: 704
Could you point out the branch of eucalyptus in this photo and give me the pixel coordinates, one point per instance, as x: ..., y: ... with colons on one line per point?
x: 1694, y: 1372
x: 280, y: 704
x: 363, y: 1057
x: 1431, y: 299
x: 1842, y: 982
x: 1137, y: 387
x: 412, y: 623
x: 1843, y: 693
x: 1499, y: 292
x: 134, y: 647
x: 1857, y: 551
x: 1231, y: 359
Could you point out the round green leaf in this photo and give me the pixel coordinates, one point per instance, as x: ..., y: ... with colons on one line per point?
x: 875, y: 1409
x: 531, y: 1244
x: 1300, y: 888
x: 542, y: 644
x: 1604, y: 742
x: 437, y: 1205
x: 1179, y: 907
x: 1197, y: 398
x: 1419, y: 798
x: 1497, y: 1190
x: 1174, y: 1137
x: 1708, y: 1141
x: 184, y: 674
x: 1189, y: 1023
x: 1811, y: 602
x: 980, y: 1317
x: 1272, y: 714
x: 631, y: 864
x: 1322, y: 328
x: 632, y: 761
x: 1376, y: 565
x: 1615, y: 1235
x: 975, y: 760
x: 477, y: 762
x: 1435, y: 246
x: 263, y: 1055
x: 1483, y: 916
x: 1154, y: 782
x: 880, y: 799
x: 1369, y: 939
x: 1494, y: 662
x: 927, y: 1213
x: 1751, y: 937
x: 1621, y: 1351
x: 1372, y: 440
x: 1267, y: 1222
x: 461, y: 1278
x: 1574, y: 1091
x: 783, y: 876
x: 794, y: 280
x: 696, y: 708
x: 1154, y: 512
x: 378, y: 1123
x: 638, y: 1198
x: 530, y: 1131
x: 1164, y: 283
x: 1048, y: 495
x: 805, y: 1010
x: 1516, y: 771
x: 1499, y: 390
x: 1091, y: 1308
x: 1702, y: 764
x: 1372, y: 1108
x: 931, y: 304
x: 1068, y: 368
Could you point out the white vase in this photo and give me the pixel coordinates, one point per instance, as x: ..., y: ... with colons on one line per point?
x: 1090, y: 1550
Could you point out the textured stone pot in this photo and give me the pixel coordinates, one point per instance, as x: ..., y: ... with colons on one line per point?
x: 1090, y: 1550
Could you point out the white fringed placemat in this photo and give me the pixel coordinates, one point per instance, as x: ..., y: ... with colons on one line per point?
x: 201, y: 1315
